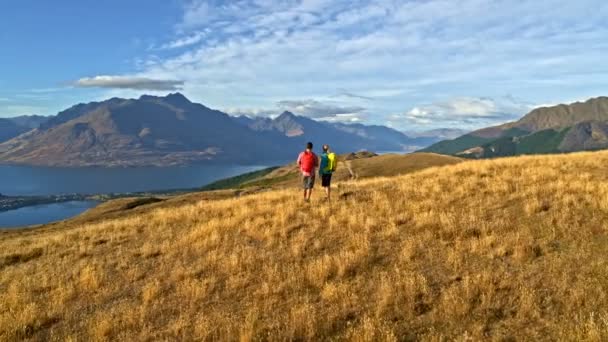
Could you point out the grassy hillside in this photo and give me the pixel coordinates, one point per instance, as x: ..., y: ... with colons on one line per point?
x: 350, y: 166
x: 467, y: 141
x: 541, y: 142
x: 504, y: 249
x: 457, y: 145
x: 238, y: 181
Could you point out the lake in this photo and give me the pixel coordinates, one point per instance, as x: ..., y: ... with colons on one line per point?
x: 30, y: 181
x: 46, y: 213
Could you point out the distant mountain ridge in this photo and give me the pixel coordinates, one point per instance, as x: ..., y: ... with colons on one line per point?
x: 342, y: 137
x: 29, y: 121
x: 14, y: 126
x: 563, y: 128
x: 9, y: 129
x: 172, y: 130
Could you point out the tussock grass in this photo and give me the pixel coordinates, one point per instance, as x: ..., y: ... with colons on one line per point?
x: 507, y: 249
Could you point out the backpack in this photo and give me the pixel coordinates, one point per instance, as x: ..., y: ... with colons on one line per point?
x: 307, y: 162
x: 332, y: 162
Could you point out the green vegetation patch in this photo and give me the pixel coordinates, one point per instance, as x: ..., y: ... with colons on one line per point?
x: 468, y: 141
x: 459, y: 144
x: 238, y: 181
x: 546, y: 141
x: 541, y: 142
x: 267, y: 182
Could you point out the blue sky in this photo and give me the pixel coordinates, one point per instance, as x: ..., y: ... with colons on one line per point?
x: 413, y: 65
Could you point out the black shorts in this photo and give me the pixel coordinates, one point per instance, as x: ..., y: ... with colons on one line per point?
x: 326, y: 180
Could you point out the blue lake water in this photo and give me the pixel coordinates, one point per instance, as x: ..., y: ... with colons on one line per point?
x: 46, y: 213
x: 31, y: 181
x: 25, y: 181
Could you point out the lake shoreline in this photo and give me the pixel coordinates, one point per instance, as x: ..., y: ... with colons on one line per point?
x: 16, y: 202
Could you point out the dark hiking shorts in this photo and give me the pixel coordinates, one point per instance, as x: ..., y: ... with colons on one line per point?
x: 325, y: 180
x: 308, y: 182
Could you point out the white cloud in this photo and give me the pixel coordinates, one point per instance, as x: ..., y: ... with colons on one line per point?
x: 324, y: 111
x: 344, y: 118
x: 251, y: 112
x: 467, y: 111
x: 48, y: 90
x: 185, y: 41
x: 128, y: 82
x: 316, y: 109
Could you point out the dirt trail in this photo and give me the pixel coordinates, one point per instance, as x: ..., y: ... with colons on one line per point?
x: 348, y: 164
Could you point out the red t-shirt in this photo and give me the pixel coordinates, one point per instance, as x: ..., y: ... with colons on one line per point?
x: 308, y: 173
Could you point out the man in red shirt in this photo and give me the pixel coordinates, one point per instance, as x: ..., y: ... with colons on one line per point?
x: 308, y: 162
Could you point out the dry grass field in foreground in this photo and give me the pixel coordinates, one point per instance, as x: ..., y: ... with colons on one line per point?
x: 506, y: 249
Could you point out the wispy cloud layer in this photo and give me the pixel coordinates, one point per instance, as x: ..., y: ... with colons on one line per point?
x: 326, y: 111
x: 389, y: 56
x: 185, y: 41
x: 128, y: 82
x: 316, y: 109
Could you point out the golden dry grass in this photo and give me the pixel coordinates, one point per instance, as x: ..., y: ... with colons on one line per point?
x: 507, y: 249
x: 364, y: 167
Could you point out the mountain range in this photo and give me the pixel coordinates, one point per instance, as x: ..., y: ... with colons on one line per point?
x: 342, y: 137
x: 172, y: 130
x: 563, y: 128
x: 12, y: 127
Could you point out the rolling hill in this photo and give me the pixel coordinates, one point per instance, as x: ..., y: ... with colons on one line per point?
x: 357, y: 165
x: 504, y: 249
x: 564, y: 128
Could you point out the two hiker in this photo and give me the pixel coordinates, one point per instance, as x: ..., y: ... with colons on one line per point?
x: 308, y: 163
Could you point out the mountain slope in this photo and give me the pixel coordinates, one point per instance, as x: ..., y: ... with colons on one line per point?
x: 473, y: 251
x: 147, y: 131
x: 563, y: 128
x: 9, y: 129
x: 562, y: 116
x: 29, y: 121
